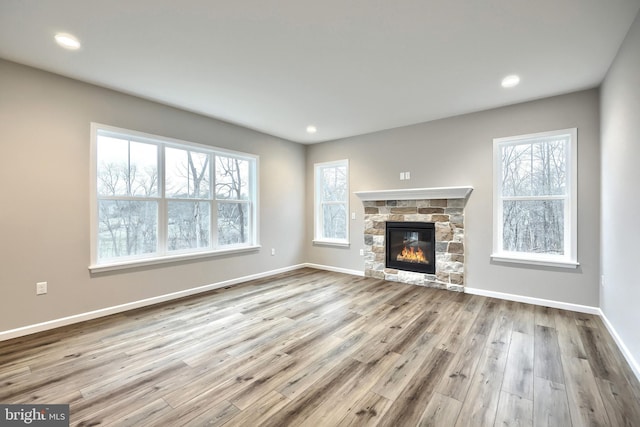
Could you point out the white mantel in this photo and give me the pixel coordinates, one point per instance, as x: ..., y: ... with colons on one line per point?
x: 416, y: 193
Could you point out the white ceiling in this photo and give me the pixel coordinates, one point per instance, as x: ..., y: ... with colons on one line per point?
x: 346, y: 66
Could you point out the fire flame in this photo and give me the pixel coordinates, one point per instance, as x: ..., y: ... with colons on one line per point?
x: 411, y: 255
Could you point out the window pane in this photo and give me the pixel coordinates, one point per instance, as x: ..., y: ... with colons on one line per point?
x: 233, y: 223
x: 188, y: 225
x: 143, y: 167
x: 127, y: 228
x: 534, y: 169
x: 549, y: 173
x: 187, y: 174
x: 334, y: 184
x: 334, y: 221
x: 127, y: 168
x: 535, y: 226
x: 516, y: 170
x: 232, y: 178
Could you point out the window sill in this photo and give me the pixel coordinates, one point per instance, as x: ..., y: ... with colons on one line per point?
x: 112, y: 266
x: 336, y: 243
x: 532, y: 260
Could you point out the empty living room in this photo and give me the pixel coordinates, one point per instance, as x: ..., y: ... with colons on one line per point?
x: 411, y: 213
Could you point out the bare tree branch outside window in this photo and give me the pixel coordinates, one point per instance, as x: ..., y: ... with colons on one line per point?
x: 232, y: 195
x: 188, y: 189
x: 127, y: 214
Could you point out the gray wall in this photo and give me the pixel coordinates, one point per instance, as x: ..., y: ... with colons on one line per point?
x: 458, y: 151
x: 44, y: 171
x: 620, y: 192
x: 44, y: 191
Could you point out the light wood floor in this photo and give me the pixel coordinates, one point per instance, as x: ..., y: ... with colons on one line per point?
x: 321, y: 349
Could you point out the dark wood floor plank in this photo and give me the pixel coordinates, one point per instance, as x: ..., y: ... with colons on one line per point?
x: 548, y: 363
x: 523, y: 317
x: 544, y: 316
x: 569, y: 339
x: 486, y: 317
x: 297, y: 411
x: 409, y: 406
x: 310, y: 347
x: 600, y: 356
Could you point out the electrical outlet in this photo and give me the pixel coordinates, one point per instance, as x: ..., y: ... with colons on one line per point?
x: 407, y: 175
x: 353, y: 215
x: 361, y: 252
x: 41, y: 288
x: 401, y: 176
x: 273, y: 251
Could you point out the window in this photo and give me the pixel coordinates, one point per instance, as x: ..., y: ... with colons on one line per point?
x: 332, y: 203
x: 535, y: 178
x: 156, y: 199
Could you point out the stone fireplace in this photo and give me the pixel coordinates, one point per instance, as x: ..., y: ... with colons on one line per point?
x: 442, y: 207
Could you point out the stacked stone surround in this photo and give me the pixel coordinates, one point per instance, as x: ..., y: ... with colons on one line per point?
x: 448, y: 217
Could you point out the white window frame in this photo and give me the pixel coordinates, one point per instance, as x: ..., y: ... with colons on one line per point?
x: 319, y: 239
x: 570, y: 257
x: 162, y: 255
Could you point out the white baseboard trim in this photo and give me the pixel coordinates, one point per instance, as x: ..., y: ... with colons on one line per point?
x: 633, y: 363
x: 76, y: 318
x: 535, y: 301
x: 335, y: 269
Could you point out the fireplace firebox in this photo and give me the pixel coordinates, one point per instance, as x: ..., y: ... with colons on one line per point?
x: 411, y: 246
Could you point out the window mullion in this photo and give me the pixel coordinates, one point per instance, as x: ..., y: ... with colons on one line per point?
x: 525, y: 198
x: 213, y: 234
x: 163, y: 225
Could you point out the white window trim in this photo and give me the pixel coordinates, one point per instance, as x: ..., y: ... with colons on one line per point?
x: 570, y: 258
x: 163, y: 257
x: 317, y: 216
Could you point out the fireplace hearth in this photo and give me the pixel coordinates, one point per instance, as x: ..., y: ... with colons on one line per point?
x: 410, y: 246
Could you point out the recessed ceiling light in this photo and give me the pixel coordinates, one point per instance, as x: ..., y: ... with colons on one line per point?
x: 510, y: 81
x: 311, y: 129
x: 67, y: 41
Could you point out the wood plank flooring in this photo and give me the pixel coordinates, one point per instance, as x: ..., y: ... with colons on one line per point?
x: 316, y: 348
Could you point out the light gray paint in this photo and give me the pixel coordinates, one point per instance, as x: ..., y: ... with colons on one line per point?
x: 620, y: 192
x: 348, y: 67
x: 44, y: 191
x: 458, y: 151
